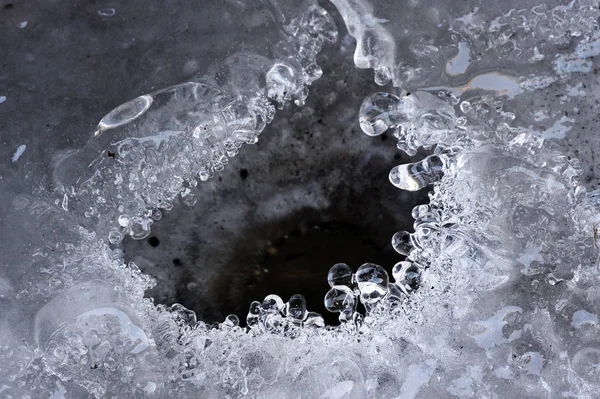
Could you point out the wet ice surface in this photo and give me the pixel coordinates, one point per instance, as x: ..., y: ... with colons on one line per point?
x: 497, y: 295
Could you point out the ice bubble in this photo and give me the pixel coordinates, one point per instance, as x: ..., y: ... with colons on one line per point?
x: 376, y: 113
x: 115, y: 237
x: 281, y: 83
x: 407, y: 275
x: 231, y: 321
x: 401, y: 242
x: 296, y: 308
x: 418, y: 175
x: 188, y: 197
x: 273, y: 304
x: 339, y: 299
x: 124, y: 113
x: 252, y: 319
x: 340, y: 274
x: 372, y: 282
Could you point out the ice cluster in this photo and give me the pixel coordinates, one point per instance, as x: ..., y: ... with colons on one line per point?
x: 497, y: 295
x: 183, y: 134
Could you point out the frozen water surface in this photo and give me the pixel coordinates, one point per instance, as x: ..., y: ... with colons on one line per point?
x: 140, y: 259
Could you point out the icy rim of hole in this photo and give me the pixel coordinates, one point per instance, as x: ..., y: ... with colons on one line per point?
x: 506, y: 207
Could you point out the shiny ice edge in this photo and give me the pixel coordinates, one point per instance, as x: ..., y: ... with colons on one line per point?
x: 498, y: 295
x: 149, y: 151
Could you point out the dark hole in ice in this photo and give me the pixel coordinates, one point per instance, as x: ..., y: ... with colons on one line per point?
x: 313, y: 200
x: 217, y: 265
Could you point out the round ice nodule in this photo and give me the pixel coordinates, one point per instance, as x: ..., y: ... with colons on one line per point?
x: 296, y: 307
x: 339, y: 299
x: 372, y: 282
x: 273, y: 304
x: 340, y: 274
x: 376, y: 111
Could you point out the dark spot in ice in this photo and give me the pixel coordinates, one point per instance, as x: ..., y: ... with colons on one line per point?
x: 244, y: 173
x: 153, y: 241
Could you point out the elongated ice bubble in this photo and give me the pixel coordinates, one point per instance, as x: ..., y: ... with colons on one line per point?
x: 124, y: 113
x: 375, y: 45
x: 253, y: 314
x: 415, y: 176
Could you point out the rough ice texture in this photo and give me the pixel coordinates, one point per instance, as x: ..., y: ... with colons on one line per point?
x: 498, y: 295
x: 150, y: 150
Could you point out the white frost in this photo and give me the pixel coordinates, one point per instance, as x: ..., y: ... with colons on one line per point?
x: 489, y: 332
x: 418, y: 375
x: 582, y: 317
x: 20, y: 150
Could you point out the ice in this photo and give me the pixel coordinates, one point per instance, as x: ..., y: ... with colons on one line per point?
x: 232, y: 321
x: 372, y: 281
x: 107, y: 12
x: 296, y: 308
x: 20, y: 150
x: 340, y: 274
x: 495, y: 293
x: 340, y: 299
x: 586, y: 363
x: 419, y: 120
x: 401, y: 242
x: 253, y: 314
x: 415, y: 176
x: 582, y: 317
x: 460, y: 62
x: 202, y: 122
x: 407, y: 276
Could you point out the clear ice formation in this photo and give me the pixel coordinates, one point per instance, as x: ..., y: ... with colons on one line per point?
x: 498, y: 294
x: 185, y: 133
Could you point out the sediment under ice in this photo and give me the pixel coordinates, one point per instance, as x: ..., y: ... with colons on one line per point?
x: 496, y: 295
